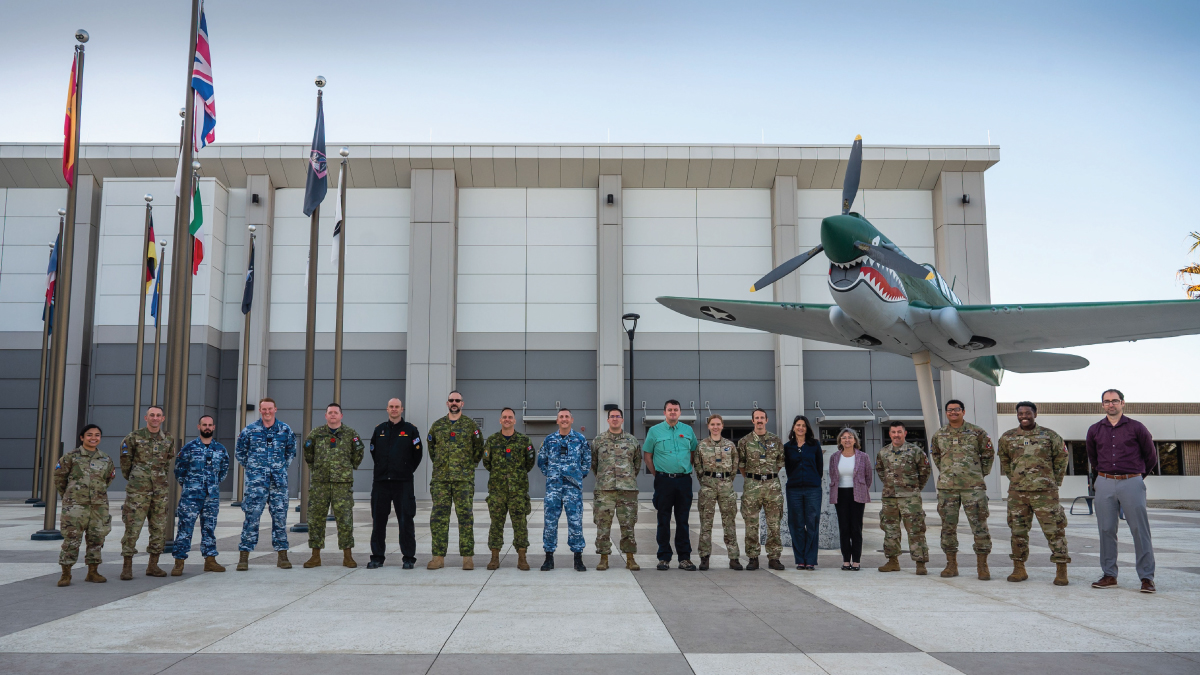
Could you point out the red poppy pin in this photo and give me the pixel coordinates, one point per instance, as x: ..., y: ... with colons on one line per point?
x: 451, y: 434
x: 403, y: 433
x: 681, y: 435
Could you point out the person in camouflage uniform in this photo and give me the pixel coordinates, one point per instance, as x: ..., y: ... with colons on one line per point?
x: 82, y: 477
x: 716, y: 462
x: 616, y: 462
x: 963, y: 455
x: 199, y: 469
x: 760, y: 457
x: 266, y: 448
x: 564, y: 459
x: 146, y: 455
x: 509, y: 457
x: 903, y: 469
x: 455, y: 446
x: 1034, y: 459
x: 332, y: 451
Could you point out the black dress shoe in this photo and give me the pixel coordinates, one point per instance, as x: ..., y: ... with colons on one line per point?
x: 549, y: 564
x: 374, y: 565
x: 407, y: 565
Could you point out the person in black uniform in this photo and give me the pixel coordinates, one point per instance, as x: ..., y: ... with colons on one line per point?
x: 396, y: 451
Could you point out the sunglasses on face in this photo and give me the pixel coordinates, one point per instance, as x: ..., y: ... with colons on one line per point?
x: 454, y: 400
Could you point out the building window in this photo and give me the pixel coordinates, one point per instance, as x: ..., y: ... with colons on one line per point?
x: 1170, y: 458
x: 1077, y: 459
x: 829, y: 434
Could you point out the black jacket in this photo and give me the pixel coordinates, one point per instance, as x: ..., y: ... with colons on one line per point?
x: 396, y: 450
x: 803, y: 464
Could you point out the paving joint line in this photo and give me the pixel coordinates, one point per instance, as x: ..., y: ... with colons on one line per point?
x: 458, y: 623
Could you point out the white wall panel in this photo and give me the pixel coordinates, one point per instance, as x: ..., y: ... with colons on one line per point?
x: 563, y: 260
x: 491, y: 203
x: 734, y: 260
x: 578, y: 318
x: 491, y: 231
x: 491, y: 260
x: 484, y: 288
x: 733, y: 203
x: 562, y: 202
x: 659, y: 203
x: 660, y: 260
x: 491, y: 318
x: 659, y: 232
x: 644, y: 288
x: 734, y: 232
x: 562, y: 232
x: 560, y: 288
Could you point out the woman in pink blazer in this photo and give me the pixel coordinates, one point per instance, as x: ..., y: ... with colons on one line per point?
x: 849, y: 484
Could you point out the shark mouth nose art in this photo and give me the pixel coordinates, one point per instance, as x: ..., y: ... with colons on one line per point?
x: 886, y: 283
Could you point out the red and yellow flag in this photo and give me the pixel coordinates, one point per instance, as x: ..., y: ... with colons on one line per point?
x: 69, y: 125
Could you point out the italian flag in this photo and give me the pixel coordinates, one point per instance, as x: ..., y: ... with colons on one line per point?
x: 194, y: 228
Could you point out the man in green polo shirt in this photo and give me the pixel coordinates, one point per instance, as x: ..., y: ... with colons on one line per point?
x: 668, y: 454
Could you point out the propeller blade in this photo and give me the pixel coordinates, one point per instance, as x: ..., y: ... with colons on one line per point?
x: 895, y: 261
x: 853, y: 172
x: 786, y: 268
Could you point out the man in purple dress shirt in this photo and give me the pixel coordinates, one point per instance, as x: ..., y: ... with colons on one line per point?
x: 1122, y: 451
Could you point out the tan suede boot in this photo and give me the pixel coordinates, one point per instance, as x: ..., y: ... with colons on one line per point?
x: 243, y: 561
x: 348, y: 559
x: 494, y: 563
x: 951, y: 566
x: 1019, y: 573
x: 177, y: 570
x: 127, y: 569
x: 603, y: 562
x: 437, y: 562
x: 152, y: 568
x: 522, y: 563
x: 630, y: 563
x: 981, y: 567
x: 1060, y: 577
x: 468, y: 562
x: 314, y: 560
x: 921, y: 571
x: 211, y: 564
x: 65, y: 580
x: 93, y: 575
x: 892, y: 565
x: 282, y: 562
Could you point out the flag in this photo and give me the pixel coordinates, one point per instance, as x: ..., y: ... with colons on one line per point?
x: 204, y: 107
x: 51, y: 277
x: 197, y: 222
x: 248, y: 294
x: 337, y: 219
x: 318, y: 181
x: 69, y: 125
x: 157, y: 298
x: 151, y: 257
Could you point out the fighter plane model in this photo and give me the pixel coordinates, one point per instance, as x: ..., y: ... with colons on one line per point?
x: 887, y: 302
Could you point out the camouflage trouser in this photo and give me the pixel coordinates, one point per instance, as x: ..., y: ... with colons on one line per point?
x: 718, y: 492
x: 625, y: 504
x: 516, y: 507
x: 975, y: 503
x: 767, y: 496
x: 1022, y: 507
x: 559, y: 498
x: 459, y: 494
x: 265, y: 490
x: 77, y: 520
x: 150, y: 505
x: 909, y: 510
x: 320, y: 497
x: 189, y: 509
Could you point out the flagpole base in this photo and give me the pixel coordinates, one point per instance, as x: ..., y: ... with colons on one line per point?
x: 300, y: 527
x: 46, y: 535
x: 35, y: 501
x: 235, y: 503
x: 169, y: 546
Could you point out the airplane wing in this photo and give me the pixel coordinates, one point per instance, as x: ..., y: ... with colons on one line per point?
x: 807, y: 321
x: 1022, y: 328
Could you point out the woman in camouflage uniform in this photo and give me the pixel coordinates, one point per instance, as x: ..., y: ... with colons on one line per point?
x: 82, y: 476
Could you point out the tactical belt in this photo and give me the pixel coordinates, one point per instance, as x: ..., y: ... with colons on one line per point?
x: 673, y: 475
x: 714, y: 474
x: 762, y: 476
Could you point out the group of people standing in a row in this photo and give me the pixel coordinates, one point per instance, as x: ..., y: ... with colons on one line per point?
x: 1032, y: 457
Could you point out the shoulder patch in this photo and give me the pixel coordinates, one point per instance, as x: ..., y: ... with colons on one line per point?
x: 356, y: 439
x: 476, y: 432
x: 58, y: 466
x: 417, y: 440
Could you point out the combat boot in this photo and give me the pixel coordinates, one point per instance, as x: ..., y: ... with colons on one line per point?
x: 127, y: 569
x: 579, y: 566
x: 244, y: 560
x: 211, y: 564
x: 981, y: 567
x: 522, y: 563
x: 65, y: 580
x: 177, y: 570
x: 468, y: 562
x: 630, y: 563
x: 703, y: 563
x: 437, y: 562
x: 1019, y: 573
x: 951, y: 566
x: 753, y: 564
x: 282, y: 563
x: 1060, y: 577
x: 773, y: 563
x: 314, y: 560
x: 892, y: 565
x: 152, y: 568
x: 93, y: 575
x: 735, y: 564
x: 549, y: 564
x: 494, y: 563
x: 921, y: 571
x: 603, y: 563
x: 348, y: 559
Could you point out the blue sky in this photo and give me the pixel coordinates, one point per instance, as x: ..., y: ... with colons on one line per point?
x: 1093, y: 104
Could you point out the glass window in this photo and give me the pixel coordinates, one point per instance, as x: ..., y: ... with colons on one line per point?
x: 1170, y: 458
x: 1078, y: 465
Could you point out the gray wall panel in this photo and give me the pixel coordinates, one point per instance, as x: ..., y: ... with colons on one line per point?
x: 836, y: 365
x: 746, y: 365
x: 490, y: 365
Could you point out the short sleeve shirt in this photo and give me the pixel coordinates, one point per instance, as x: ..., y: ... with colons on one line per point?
x: 670, y: 447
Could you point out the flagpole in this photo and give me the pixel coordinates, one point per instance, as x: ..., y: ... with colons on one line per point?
x: 240, y: 475
x: 141, y: 325
x: 36, y: 499
x: 162, y: 259
x: 341, y: 281
x: 62, y: 294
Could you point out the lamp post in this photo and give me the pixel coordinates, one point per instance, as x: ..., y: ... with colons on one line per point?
x: 629, y: 323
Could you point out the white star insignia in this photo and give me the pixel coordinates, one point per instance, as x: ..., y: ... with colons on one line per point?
x: 716, y: 313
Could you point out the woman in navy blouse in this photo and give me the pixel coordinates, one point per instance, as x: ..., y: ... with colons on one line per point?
x: 802, y: 458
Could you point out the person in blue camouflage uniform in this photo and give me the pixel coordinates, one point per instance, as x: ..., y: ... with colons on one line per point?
x: 266, y: 449
x: 565, y: 459
x: 199, y: 469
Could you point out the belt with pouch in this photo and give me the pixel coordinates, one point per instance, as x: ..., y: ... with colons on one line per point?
x: 717, y: 474
x: 762, y: 476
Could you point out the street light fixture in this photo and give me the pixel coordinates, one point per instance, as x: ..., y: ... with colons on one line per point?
x: 629, y: 322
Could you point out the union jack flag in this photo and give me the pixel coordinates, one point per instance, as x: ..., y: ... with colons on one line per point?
x: 204, y: 113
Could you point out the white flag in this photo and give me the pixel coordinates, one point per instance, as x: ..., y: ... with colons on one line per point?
x: 337, y: 220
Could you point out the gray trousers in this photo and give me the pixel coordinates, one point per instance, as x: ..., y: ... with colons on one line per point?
x: 1128, y: 495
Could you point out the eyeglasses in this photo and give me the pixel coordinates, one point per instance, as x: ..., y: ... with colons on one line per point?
x: 454, y: 400
x: 1113, y: 402
x: 950, y: 410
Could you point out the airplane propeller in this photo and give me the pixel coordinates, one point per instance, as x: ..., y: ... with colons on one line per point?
x: 894, y: 260
x: 786, y: 268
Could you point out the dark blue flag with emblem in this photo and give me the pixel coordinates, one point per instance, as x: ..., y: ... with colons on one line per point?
x: 248, y: 294
x: 318, y: 181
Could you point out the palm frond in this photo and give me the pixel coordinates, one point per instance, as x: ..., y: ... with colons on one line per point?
x: 1195, y: 244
